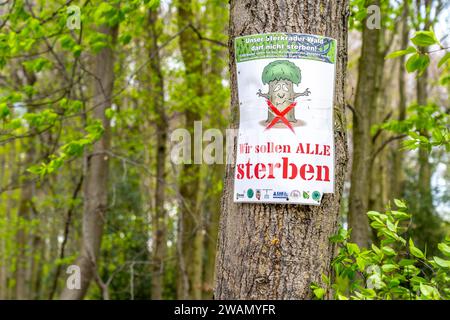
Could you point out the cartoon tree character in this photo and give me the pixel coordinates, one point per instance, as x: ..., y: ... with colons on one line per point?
x: 281, y: 75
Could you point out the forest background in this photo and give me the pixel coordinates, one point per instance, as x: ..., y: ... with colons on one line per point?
x: 92, y: 91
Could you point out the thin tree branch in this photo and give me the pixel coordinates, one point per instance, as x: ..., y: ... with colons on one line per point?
x: 385, y: 143
x: 376, y: 135
x: 200, y: 37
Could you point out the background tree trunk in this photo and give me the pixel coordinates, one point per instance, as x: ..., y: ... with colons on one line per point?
x: 191, y: 221
x: 366, y: 100
x: 22, y: 236
x: 425, y: 221
x: 96, y: 182
x: 397, y: 176
x: 249, y: 263
x: 213, y: 175
x: 162, y: 126
x: 24, y: 214
x: 3, y: 265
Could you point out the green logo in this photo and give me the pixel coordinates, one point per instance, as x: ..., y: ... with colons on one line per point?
x: 305, y: 195
x: 250, y: 193
x: 316, y: 195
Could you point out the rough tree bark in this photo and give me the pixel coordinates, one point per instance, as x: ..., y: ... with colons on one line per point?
x: 162, y: 126
x: 276, y: 251
x: 366, y: 101
x: 96, y: 181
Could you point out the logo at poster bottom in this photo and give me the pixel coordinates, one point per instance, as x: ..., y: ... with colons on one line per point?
x: 316, y: 195
x: 267, y: 193
x: 280, y: 195
x: 294, y: 195
x: 250, y: 193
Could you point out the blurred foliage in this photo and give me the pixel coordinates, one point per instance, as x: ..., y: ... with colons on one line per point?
x: 394, y: 269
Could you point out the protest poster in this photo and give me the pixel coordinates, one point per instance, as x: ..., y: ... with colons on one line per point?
x: 285, y: 149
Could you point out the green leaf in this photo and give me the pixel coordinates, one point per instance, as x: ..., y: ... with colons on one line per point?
x: 388, y: 251
x: 319, y: 293
x: 361, y: 263
x: 377, y: 225
x: 426, y: 290
x: 35, y: 169
x: 400, y: 215
x: 444, y: 59
x: 376, y: 250
x: 76, y: 50
x: 341, y: 297
x: 424, y: 38
x: 444, y: 248
x: 400, y: 53
x: 412, y: 63
x: 67, y: 42
x: 411, y: 270
x: 36, y: 65
x: 400, y: 204
x: 4, y: 111
x: 98, y: 41
x: 389, y: 267
x: 373, y: 214
x: 325, y: 279
x: 152, y: 4
x: 417, y: 62
x: 340, y: 236
x: 442, y: 262
x: 391, y: 226
x: 394, y: 283
x: 415, y: 251
x: 406, y: 262
x: 429, y: 291
x: 125, y: 38
x: 353, y: 248
x: 109, y: 113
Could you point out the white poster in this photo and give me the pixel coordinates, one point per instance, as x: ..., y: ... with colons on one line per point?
x: 285, y: 150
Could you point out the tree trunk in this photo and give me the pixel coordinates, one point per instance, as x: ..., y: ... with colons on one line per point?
x: 425, y: 221
x: 424, y: 164
x: 96, y: 182
x: 379, y: 163
x: 24, y: 216
x: 13, y: 165
x: 191, y: 222
x: 366, y: 100
x: 249, y: 264
x: 212, y: 208
x: 397, y: 177
x: 162, y: 127
x: 3, y: 229
x: 218, y: 28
